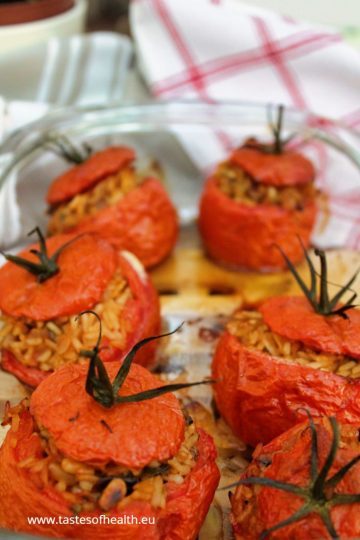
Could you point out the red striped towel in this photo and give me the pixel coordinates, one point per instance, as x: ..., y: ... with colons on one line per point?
x: 223, y: 50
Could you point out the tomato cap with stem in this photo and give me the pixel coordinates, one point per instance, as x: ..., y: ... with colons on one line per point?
x: 47, y: 266
x: 105, y: 392
x: 316, y: 496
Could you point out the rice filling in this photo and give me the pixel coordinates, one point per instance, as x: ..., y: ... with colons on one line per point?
x: 87, y: 487
x: 106, y: 193
x: 249, y: 327
x: 47, y: 345
x: 239, y: 186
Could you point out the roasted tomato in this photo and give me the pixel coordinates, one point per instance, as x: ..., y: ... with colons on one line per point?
x: 105, y: 195
x: 261, y: 196
x: 303, y: 485
x: 43, y: 291
x: 290, y: 353
x: 126, y: 449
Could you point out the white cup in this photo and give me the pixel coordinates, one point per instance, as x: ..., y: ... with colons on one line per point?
x: 16, y: 36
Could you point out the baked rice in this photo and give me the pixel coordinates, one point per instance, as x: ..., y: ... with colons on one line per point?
x: 250, y: 328
x: 89, y: 487
x: 239, y: 186
x: 106, y: 193
x: 47, y: 345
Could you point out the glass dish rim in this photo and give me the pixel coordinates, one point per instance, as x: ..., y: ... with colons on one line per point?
x: 24, y: 143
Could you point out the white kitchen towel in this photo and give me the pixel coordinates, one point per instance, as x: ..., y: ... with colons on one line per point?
x: 226, y: 50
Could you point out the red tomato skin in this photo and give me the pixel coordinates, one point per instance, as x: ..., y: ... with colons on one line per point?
x: 286, y: 169
x: 243, y: 236
x: 159, y: 420
x: 181, y: 519
x: 289, y: 454
x: 28, y: 375
x: 260, y: 396
x: 144, y: 222
x: 86, y: 266
x: 294, y: 318
x: 86, y: 175
x: 141, y: 318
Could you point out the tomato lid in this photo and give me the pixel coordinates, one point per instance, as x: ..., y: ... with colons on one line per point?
x: 293, y: 318
x: 128, y: 434
x: 333, y: 450
x: 285, y: 169
x: 84, y: 176
x: 86, y: 266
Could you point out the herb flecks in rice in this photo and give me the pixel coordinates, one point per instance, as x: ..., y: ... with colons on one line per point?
x: 250, y: 328
x: 47, y: 345
x: 88, y: 487
x: 239, y: 186
x: 106, y: 193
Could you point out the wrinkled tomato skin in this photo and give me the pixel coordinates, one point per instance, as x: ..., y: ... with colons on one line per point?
x: 28, y: 375
x: 288, y: 456
x: 132, y: 425
x: 186, y: 506
x: 86, y: 266
x: 144, y: 222
x: 243, y: 236
x: 294, y: 318
x: 86, y: 175
x: 286, y: 169
x: 140, y: 318
x: 260, y: 396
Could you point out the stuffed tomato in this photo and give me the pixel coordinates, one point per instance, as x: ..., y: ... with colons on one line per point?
x: 262, y: 195
x: 303, y: 485
x: 105, y: 195
x: 289, y: 353
x: 40, y: 302
x: 121, y: 448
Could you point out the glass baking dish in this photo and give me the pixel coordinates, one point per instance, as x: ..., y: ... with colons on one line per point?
x: 185, y: 140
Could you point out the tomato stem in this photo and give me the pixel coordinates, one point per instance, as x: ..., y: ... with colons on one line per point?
x: 278, y: 145
x: 47, y: 266
x: 276, y: 129
x: 66, y: 149
x: 105, y: 392
x: 300, y: 514
x: 322, y: 303
x: 319, y: 484
x: 315, y: 495
x: 324, y: 297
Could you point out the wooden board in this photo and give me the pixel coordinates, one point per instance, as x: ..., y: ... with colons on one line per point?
x: 189, y: 281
